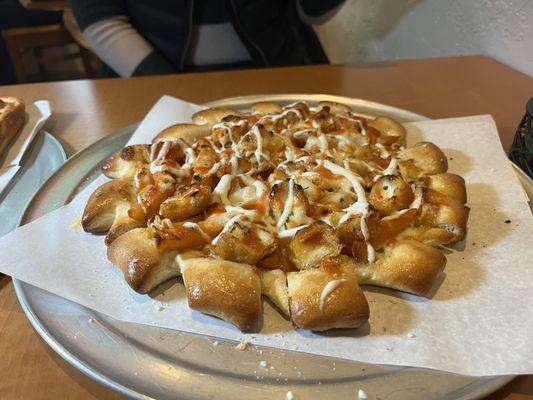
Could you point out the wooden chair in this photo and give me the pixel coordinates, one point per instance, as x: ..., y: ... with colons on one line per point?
x: 35, y: 39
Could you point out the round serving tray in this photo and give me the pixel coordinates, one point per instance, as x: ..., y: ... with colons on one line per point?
x: 147, y: 362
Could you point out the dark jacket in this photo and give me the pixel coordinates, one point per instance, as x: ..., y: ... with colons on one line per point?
x: 271, y: 30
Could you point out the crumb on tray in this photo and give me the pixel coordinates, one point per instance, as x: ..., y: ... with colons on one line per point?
x: 243, y: 345
x: 75, y: 224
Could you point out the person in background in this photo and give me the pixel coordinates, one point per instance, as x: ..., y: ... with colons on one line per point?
x: 14, y: 15
x: 145, y: 37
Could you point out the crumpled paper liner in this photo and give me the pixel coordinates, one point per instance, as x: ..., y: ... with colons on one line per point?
x: 479, y: 320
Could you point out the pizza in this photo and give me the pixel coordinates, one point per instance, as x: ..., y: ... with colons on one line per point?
x: 12, y: 118
x: 299, y: 204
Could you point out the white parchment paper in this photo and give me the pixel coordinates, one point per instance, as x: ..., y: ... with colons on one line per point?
x: 479, y: 320
x: 36, y: 115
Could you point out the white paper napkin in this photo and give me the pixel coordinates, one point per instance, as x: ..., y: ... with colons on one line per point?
x: 479, y: 320
x: 36, y: 115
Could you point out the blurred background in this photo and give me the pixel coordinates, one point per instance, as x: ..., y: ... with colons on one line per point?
x: 43, y: 41
x: 379, y: 30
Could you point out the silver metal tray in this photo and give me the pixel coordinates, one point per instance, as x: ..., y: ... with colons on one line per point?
x: 146, y: 362
x: 42, y: 159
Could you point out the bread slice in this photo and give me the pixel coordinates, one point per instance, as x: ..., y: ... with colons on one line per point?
x: 12, y: 117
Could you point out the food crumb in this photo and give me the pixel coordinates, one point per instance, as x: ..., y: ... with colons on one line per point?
x: 216, y: 343
x: 507, y: 221
x: 411, y: 335
x: 263, y: 364
x: 243, y: 345
x: 361, y: 395
x: 161, y: 309
x: 75, y: 224
x: 290, y: 395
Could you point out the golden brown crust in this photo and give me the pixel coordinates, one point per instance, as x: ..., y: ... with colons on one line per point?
x: 428, y: 235
x: 244, y: 243
x: 451, y: 217
x: 323, y: 191
x: 389, y: 128
x: 274, y: 286
x: 451, y: 185
x: 100, y: 210
x: 390, y: 194
x: 190, y: 133
x: 228, y: 290
x: 424, y: 158
x: 313, y: 244
x: 12, y: 118
x: 317, y: 306
x: 212, y: 116
x: 266, y: 107
x: 121, y: 224
x: 144, y: 266
x: 334, y: 108
x: 123, y: 164
x: 278, y: 196
x: 186, y: 202
x: 409, y: 266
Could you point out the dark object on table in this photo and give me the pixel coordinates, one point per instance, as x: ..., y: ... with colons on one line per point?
x: 521, y: 152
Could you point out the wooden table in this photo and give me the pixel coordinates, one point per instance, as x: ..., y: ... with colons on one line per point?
x: 86, y: 110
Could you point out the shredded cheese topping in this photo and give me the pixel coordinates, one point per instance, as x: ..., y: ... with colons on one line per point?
x: 330, y: 287
x: 298, y: 162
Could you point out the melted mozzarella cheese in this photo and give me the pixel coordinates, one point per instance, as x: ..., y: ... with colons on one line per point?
x: 227, y: 226
x: 419, y: 197
x: 287, y: 210
x: 214, y: 168
x: 361, y: 204
x: 260, y: 188
x: 302, y: 132
x: 155, y: 168
x: 190, y: 156
x: 383, y: 152
x: 357, y: 122
x: 289, y: 154
x: 234, y: 165
x: 137, y: 181
x: 259, y: 147
x: 292, y: 231
x: 222, y: 189
x: 371, y: 255
x: 391, y: 168
x: 323, y: 141
x: 328, y: 289
x: 166, y: 223
x: 275, y: 118
x: 163, y: 151
x: 197, y: 228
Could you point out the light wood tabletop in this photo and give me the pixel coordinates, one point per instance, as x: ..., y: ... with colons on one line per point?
x: 86, y: 110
